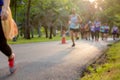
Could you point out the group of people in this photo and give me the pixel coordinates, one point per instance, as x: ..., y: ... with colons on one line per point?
x: 90, y: 30
x: 97, y: 30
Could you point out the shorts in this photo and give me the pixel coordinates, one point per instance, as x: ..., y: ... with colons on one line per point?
x: 97, y: 34
x: 74, y: 30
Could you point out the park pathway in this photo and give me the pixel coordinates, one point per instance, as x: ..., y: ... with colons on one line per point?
x: 52, y: 60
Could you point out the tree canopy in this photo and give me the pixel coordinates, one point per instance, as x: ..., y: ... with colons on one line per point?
x: 54, y: 13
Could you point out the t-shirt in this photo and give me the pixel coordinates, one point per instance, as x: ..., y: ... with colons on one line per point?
x: 97, y: 25
x: 92, y: 28
x: 107, y: 28
x: 102, y: 29
x: 114, y: 29
x: 73, y: 20
x: 1, y: 3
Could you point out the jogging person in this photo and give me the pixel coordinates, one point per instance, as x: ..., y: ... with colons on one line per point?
x: 74, y: 23
x: 102, y: 31
x: 97, y: 29
x: 114, y: 32
x: 92, y: 30
x: 87, y: 31
x: 82, y: 31
x: 106, y: 33
x: 4, y: 47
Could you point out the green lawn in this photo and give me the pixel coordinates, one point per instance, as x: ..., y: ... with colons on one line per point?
x: 36, y: 39
x: 109, y: 70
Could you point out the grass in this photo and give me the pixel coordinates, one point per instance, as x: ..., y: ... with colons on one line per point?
x: 36, y: 39
x: 110, y: 70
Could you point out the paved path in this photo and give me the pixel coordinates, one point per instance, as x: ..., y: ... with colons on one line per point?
x: 51, y: 60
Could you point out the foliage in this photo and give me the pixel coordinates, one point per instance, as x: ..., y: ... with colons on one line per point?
x: 110, y: 11
x: 36, y: 39
x: 108, y: 71
x: 54, y: 13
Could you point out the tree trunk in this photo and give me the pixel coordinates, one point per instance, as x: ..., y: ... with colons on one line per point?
x: 54, y: 31
x: 32, y: 31
x: 15, y: 11
x: 46, y: 31
x: 51, y: 31
x: 61, y: 28
x: 39, y: 31
x: 15, y: 14
x: 27, y: 29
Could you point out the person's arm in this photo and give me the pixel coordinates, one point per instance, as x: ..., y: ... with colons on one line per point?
x: 100, y: 24
x: 79, y: 19
x: 111, y: 29
x: 69, y: 21
x: 4, y: 13
x: 6, y: 4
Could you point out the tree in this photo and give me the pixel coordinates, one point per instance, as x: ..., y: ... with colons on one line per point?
x: 27, y: 27
x: 52, y: 14
x: 110, y: 11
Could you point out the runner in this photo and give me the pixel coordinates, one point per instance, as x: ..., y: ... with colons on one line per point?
x: 92, y: 30
x: 87, y: 31
x: 114, y: 32
x: 107, y: 28
x: 4, y: 47
x: 102, y: 30
x: 82, y: 30
x: 97, y: 29
x: 74, y: 23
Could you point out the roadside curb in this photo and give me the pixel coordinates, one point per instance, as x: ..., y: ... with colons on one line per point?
x: 94, y: 60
